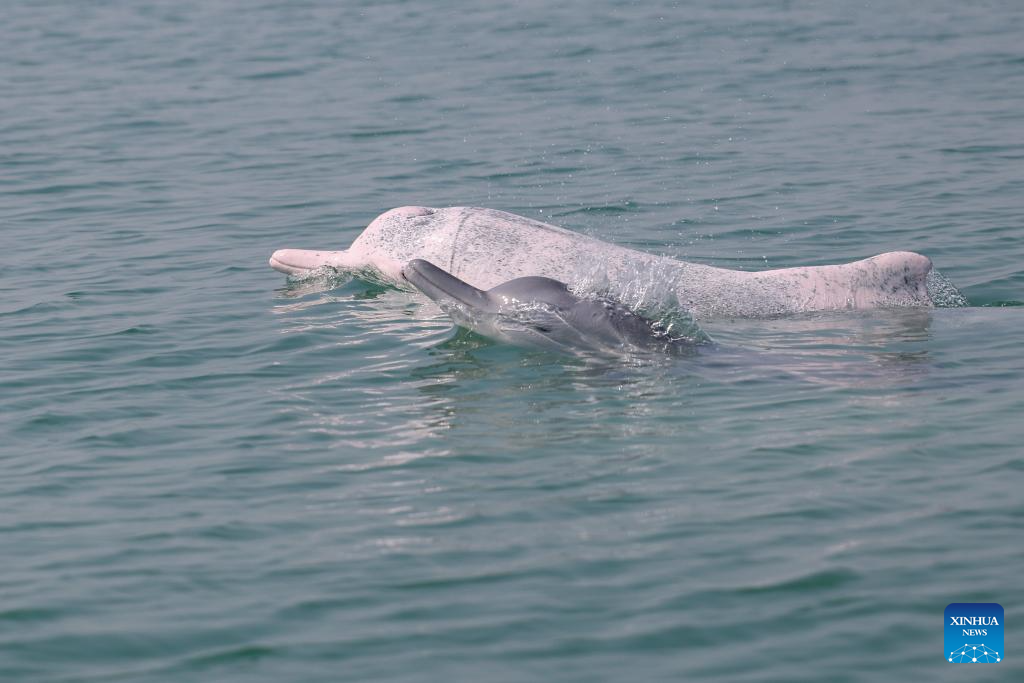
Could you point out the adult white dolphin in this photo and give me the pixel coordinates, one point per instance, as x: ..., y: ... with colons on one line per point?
x: 485, y: 248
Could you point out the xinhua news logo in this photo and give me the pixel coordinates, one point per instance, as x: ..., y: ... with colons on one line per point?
x: 974, y: 633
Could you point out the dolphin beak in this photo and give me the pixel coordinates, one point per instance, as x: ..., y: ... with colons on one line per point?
x: 298, y: 261
x: 440, y: 285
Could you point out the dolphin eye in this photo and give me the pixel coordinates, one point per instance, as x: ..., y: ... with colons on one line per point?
x: 542, y: 328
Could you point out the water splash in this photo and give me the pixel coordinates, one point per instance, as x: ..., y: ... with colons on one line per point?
x: 649, y: 292
x: 327, y: 278
x: 944, y: 293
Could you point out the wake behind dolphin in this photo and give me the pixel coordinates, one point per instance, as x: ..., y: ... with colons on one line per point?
x: 486, y: 248
x: 542, y: 312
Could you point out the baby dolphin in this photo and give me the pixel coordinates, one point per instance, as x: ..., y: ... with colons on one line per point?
x: 541, y: 312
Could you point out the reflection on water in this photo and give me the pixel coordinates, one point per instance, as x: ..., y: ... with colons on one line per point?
x: 397, y: 384
x: 844, y: 349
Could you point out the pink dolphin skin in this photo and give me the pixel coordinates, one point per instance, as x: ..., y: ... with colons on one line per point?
x: 486, y: 247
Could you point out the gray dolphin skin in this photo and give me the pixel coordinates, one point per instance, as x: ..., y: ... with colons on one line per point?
x: 540, y: 312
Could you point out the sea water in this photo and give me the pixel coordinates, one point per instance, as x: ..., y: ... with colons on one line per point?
x: 210, y: 473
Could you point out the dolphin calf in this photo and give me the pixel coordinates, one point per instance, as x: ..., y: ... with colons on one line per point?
x: 542, y: 312
x: 485, y: 248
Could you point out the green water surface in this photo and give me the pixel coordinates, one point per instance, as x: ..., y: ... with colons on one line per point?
x: 209, y: 473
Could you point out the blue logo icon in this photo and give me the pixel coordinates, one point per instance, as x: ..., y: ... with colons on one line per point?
x: 974, y: 632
